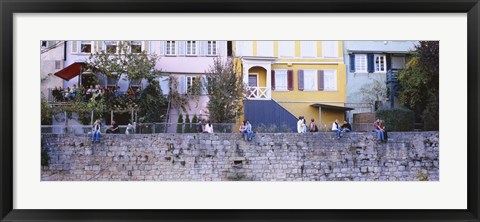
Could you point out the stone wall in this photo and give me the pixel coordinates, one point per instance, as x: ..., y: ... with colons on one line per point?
x: 357, y: 156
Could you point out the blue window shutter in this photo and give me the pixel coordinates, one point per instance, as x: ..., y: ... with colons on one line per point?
x: 370, y: 63
x: 352, y: 62
x: 300, y: 79
x: 320, y: 76
x: 389, y: 61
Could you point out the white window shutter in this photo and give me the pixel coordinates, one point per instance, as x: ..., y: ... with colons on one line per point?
x: 203, y: 81
x: 163, y: 82
x: 181, y: 47
x: 161, y: 47
x: 202, y: 47
x: 74, y: 46
x: 146, y: 46
x: 182, y: 84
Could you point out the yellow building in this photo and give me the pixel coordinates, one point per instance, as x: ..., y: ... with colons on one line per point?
x: 288, y: 79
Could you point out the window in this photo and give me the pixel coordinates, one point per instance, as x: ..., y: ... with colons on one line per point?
x: 330, y: 80
x: 310, y: 80
x: 191, y: 47
x: 170, y: 48
x: 229, y: 48
x: 330, y: 49
x: 136, y: 47
x: 286, y: 48
x: 264, y: 48
x: 398, y: 62
x: 308, y: 49
x: 244, y: 48
x: 281, y: 80
x: 190, y: 83
x: 361, y: 63
x: 86, y: 46
x: 111, y: 46
x: 380, y: 62
x: 212, y: 47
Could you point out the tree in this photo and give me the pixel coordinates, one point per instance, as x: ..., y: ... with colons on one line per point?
x: 150, y: 103
x: 225, y: 89
x: 180, y: 124
x: 420, y: 83
x: 136, y: 66
x: 373, y: 91
x: 194, y: 124
x: 188, y: 127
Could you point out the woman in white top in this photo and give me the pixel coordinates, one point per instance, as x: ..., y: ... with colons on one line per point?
x: 299, y: 124
x: 208, y: 128
x: 336, y: 128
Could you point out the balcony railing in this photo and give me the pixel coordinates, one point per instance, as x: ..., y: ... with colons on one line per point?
x: 258, y: 92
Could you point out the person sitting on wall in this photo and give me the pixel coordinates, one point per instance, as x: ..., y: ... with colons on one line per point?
x: 199, y: 126
x: 336, y: 128
x: 249, y: 130
x: 382, y: 127
x: 313, y: 126
x: 377, y: 128
x: 208, y: 128
x: 346, y: 127
x: 114, y: 128
x: 243, y: 130
x: 299, y: 124
x: 96, y: 132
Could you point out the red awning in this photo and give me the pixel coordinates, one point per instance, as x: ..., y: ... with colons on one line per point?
x: 71, y: 71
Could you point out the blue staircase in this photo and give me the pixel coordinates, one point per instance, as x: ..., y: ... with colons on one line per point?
x: 393, y: 85
x: 268, y: 112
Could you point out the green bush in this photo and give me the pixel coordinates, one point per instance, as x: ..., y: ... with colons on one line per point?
x: 194, y: 124
x: 180, y: 124
x: 46, y: 113
x: 397, y: 119
x: 188, y: 127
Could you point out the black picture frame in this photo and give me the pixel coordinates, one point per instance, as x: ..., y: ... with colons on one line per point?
x: 9, y: 7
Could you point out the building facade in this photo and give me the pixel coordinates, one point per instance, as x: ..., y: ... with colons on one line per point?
x: 288, y: 79
x: 52, y: 60
x: 372, y: 68
x: 183, y: 60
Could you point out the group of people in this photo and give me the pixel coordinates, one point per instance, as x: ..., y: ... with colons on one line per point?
x: 246, y: 130
x: 302, y: 125
x: 340, y: 130
x: 60, y: 94
x: 114, y: 129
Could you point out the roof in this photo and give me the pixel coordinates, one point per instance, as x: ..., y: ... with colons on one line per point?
x: 325, y: 106
x: 71, y: 71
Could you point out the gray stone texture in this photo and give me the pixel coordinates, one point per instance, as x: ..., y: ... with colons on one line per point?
x: 407, y: 156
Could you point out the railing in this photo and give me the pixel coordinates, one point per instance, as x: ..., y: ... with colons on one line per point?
x: 258, y: 92
x: 139, y: 128
x: 392, y: 75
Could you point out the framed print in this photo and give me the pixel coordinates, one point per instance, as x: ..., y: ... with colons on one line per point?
x: 207, y: 110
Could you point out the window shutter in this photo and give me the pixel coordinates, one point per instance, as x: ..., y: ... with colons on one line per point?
x: 182, y: 88
x: 74, y: 47
x: 273, y: 80
x: 352, y: 62
x: 389, y: 62
x: 161, y: 47
x: 203, y: 81
x: 370, y: 63
x: 320, y: 80
x: 181, y: 47
x: 300, y: 79
x: 147, y: 46
x: 290, y: 79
